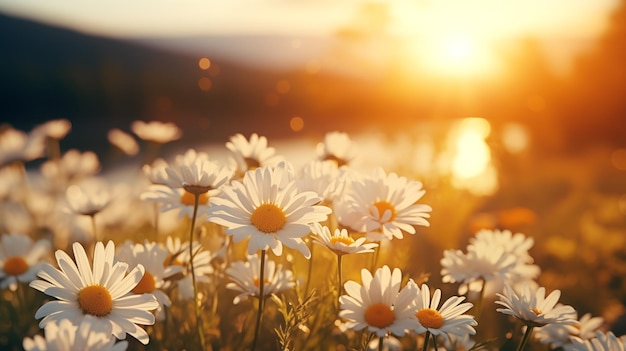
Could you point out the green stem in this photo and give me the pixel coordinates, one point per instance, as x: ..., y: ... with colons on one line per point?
x: 257, y: 326
x: 426, y: 337
x: 435, y: 342
x: 479, y: 304
x: 310, y: 272
x: 525, y: 338
x: 196, y: 303
x: 339, y: 275
x: 381, y: 343
x: 93, y: 228
x: 367, y: 342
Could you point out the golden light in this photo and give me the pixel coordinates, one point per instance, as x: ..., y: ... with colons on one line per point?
x: 205, y: 84
x: 296, y: 123
x: 204, y: 63
x: 457, y: 54
x: 470, y: 157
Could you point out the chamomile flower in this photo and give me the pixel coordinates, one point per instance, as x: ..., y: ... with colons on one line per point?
x: 64, y: 335
x: 444, y: 320
x: 252, y: 153
x: 562, y: 335
x: 384, y: 206
x: 156, y: 131
x: 20, y: 259
x: 102, y: 290
x: 245, y: 278
x: 123, y: 141
x: 178, y: 255
x: 194, y: 169
x: 87, y: 200
x: 152, y: 257
x: 481, y: 264
x: 601, y: 342
x: 73, y: 166
x: 535, y: 309
x: 340, y: 242
x: 336, y: 147
x: 55, y: 129
x: 268, y: 210
x: 322, y: 177
x: 379, y: 305
x: 176, y: 199
x: 16, y: 145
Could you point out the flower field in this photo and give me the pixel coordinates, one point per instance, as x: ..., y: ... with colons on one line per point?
x: 465, y: 238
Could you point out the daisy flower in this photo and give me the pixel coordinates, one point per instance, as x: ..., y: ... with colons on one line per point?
x: 384, y: 206
x: 20, y: 259
x: 176, y: 199
x: 523, y: 272
x: 269, y: 214
x: 336, y: 147
x: 152, y: 257
x: 379, y: 304
x: 87, y: 200
x: 155, y: 171
x: 252, y: 153
x: 245, y: 278
x: 562, y: 335
x: 16, y: 145
x: 103, y: 291
x: 535, y: 309
x: 178, y: 255
x: 195, y: 173
x: 340, y: 242
x: 601, y: 342
x: 123, y: 141
x: 156, y: 131
x: 479, y: 265
x: 64, y: 335
x: 55, y: 129
x: 322, y: 177
x: 72, y: 166
x: 444, y: 320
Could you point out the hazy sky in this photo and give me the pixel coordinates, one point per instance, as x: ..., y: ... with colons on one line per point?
x: 480, y: 18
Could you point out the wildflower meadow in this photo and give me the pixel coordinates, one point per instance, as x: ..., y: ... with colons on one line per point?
x: 334, y: 242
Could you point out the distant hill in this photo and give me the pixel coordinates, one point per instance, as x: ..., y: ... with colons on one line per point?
x: 99, y: 83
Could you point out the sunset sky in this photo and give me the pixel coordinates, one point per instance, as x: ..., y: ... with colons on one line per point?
x: 483, y: 18
x: 447, y: 36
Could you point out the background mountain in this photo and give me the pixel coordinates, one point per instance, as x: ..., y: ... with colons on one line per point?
x: 259, y: 83
x: 99, y: 83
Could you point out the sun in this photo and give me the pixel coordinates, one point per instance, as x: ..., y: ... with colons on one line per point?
x: 457, y: 54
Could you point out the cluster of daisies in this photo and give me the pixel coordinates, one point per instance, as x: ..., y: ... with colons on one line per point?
x: 116, y: 283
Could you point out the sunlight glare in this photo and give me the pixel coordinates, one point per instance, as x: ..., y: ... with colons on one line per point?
x: 471, y: 166
x: 458, y: 54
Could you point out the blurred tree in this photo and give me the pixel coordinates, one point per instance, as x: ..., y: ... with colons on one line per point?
x: 593, y: 105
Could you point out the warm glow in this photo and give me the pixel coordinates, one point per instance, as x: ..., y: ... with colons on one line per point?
x: 205, y: 84
x: 456, y: 54
x: 204, y: 63
x: 472, y: 152
x: 296, y: 123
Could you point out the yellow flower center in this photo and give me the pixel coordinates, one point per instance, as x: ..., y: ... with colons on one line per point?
x: 257, y: 282
x: 171, y: 260
x: 268, y: 218
x: 15, y: 266
x: 346, y: 240
x: 252, y: 163
x: 340, y: 162
x: 536, y: 311
x: 383, y: 206
x: 146, y: 284
x: 429, y: 318
x: 188, y: 198
x: 95, y: 300
x: 379, y: 315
